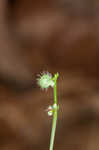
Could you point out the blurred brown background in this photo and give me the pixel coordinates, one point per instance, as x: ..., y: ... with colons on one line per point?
x: 56, y: 36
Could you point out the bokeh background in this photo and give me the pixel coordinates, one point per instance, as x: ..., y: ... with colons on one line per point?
x: 56, y: 36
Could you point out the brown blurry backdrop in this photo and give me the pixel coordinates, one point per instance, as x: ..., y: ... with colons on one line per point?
x: 56, y: 36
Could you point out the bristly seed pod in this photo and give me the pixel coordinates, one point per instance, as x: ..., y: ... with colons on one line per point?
x: 45, y: 80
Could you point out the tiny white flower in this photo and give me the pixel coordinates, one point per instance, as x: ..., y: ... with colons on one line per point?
x: 50, y: 113
x: 45, y: 80
x: 50, y: 110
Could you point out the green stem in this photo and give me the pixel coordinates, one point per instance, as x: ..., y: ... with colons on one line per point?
x: 54, y: 122
x: 55, y: 111
x: 55, y: 93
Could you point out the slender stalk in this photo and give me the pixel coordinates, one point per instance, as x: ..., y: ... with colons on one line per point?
x: 55, y: 93
x: 55, y: 112
x: 54, y: 122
